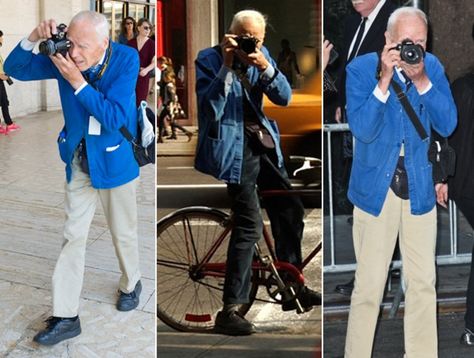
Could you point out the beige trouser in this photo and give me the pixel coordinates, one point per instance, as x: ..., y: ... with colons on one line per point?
x: 374, y: 243
x: 120, y: 209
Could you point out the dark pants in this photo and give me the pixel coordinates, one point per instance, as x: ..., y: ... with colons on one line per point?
x: 467, y: 208
x: 285, y: 213
x: 4, y: 104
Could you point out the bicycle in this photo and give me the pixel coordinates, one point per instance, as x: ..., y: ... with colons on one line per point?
x: 191, y: 256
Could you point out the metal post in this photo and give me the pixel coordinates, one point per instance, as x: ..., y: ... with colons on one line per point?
x: 331, y: 212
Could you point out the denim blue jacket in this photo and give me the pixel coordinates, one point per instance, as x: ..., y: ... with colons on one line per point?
x: 381, y: 128
x: 112, y: 104
x: 220, y: 114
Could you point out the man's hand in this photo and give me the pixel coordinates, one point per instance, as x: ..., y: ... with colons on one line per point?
x: 256, y: 59
x: 442, y: 194
x: 3, y: 77
x: 44, y: 30
x: 68, y: 69
x: 390, y: 58
x: 417, y: 74
x: 228, y: 45
x: 327, y: 47
x: 338, y: 115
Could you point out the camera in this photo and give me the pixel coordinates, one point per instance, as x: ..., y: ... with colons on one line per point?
x: 9, y: 81
x: 410, y: 52
x: 58, y: 43
x: 247, y: 44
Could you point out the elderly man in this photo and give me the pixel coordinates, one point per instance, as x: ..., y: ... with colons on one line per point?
x: 238, y: 144
x: 387, y: 140
x: 96, y: 80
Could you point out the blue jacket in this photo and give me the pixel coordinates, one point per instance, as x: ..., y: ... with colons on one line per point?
x: 112, y: 104
x: 380, y: 128
x: 220, y: 114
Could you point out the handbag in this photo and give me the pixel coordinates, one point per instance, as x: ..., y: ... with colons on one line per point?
x: 440, y: 154
x: 259, y: 136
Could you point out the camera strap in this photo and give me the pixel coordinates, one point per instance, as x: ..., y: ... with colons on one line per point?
x: 103, y: 68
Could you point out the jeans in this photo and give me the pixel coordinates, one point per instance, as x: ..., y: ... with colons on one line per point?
x: 285, y: 213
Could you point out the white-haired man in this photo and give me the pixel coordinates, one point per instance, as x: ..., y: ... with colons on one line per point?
x: 96, y: 80
x: 238, y: 144
x: 387, y: 145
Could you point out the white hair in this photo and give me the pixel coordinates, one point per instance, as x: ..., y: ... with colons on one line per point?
x: 99, y: 22
x: 406, y: 11
x: 244, y: 15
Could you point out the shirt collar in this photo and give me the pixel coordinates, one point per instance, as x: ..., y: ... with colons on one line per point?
x: 375, y: 11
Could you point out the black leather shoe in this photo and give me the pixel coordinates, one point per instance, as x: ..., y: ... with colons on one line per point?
x: 345, y: 288
x: 307, y: 297
x: 467, y: 337
x: 129, y: 301
x: 233, y: 324
x: 58, y: 329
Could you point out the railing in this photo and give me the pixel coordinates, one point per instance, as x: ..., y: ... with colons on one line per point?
x: 452, y: 259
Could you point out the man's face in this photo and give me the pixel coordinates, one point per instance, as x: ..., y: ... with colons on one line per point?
x: 410, y: 28
x: 87, y: 48
x: 252, y: 29
x: 364, y: 7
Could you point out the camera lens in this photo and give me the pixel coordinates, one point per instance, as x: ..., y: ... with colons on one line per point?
x: 47, y: 48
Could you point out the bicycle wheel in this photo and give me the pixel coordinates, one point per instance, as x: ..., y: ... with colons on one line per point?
x: 189, y: 290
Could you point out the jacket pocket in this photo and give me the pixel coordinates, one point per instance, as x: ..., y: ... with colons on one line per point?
x: 364, y: 178
x: 118, y: 158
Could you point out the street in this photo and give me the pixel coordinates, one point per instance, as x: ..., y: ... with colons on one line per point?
x: 279, y: 332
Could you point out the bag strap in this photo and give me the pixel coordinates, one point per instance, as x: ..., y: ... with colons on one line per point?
x: 409, y: 110
x: 128, y: 136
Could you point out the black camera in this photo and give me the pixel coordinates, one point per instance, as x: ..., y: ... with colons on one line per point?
x: 9, y: 81
x: 247, y: 44
x: 58, y: 43
x: 410, y: 52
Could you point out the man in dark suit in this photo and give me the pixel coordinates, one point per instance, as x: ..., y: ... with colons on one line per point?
x: 363, y: 33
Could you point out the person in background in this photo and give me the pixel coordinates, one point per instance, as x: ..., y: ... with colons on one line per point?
x: 146, y: 51
x: 4, y: 103
x: 128, y: 30
x: 287, y: 62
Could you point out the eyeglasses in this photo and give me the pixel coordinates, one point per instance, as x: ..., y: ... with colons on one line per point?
x: 146, y: 27
x: 129, y: 23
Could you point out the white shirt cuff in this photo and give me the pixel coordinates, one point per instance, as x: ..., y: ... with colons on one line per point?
x: 426, y: 89
x: 27, y: 45
x: 380, y: 96
x: 268, y: 74
x: 81, y: 87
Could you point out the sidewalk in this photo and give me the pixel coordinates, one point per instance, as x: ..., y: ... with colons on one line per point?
x: 31, y: 223
x: 180, y: 146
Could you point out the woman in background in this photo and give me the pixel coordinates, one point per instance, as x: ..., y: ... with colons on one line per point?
x: 128, y: 30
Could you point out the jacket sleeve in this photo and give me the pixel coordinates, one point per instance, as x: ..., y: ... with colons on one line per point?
x: 276, y: 87
x: 24, y: 65
x: 438, y: 101
x: 213, y: 83
x: 365, y: 112
x: 111, y: 108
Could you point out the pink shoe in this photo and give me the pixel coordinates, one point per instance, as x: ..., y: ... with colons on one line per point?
x: 2, y: 130
x: 12, y: 127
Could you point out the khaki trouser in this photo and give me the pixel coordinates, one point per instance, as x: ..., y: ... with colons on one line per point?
x: 120, y: 209
x: 374, y: 243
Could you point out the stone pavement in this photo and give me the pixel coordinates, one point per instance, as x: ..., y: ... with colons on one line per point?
x: 31, y: 222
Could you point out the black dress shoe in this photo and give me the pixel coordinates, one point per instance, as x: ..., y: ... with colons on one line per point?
x: 345, y: 288
x: 129, y: 301
x: 232, y: 323
x: 467, y: 337
x: 58, y: 329
x: 307, y: 297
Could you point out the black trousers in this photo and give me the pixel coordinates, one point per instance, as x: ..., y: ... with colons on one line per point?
x: 285, y: 213
x: 466, y: 206
x: 4, y: 104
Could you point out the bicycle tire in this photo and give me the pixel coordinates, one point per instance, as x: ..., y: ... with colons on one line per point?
x: 185, y: 301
